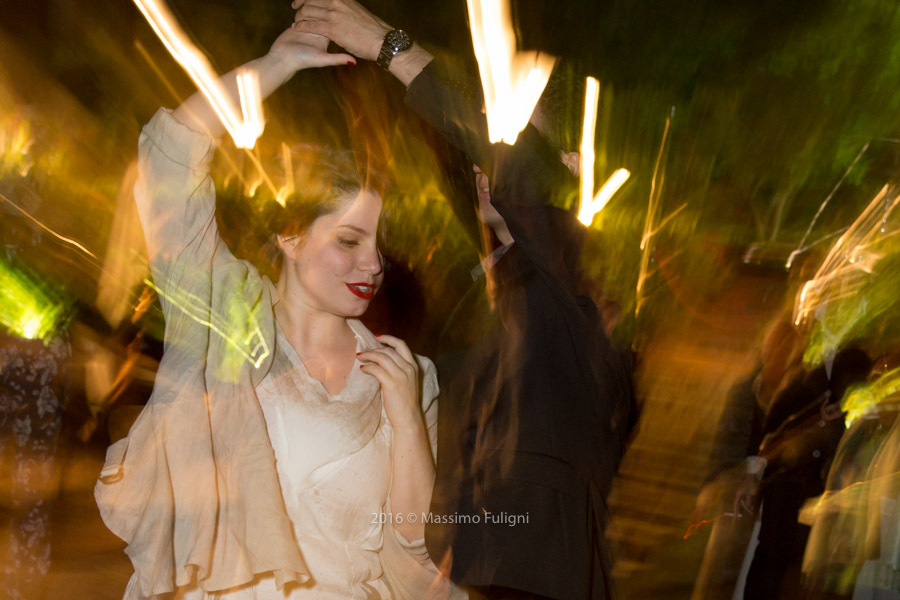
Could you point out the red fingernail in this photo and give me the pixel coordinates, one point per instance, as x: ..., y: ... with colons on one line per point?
x: 351, y: 63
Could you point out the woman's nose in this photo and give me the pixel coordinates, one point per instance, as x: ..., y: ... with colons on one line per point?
x: 372, y: 262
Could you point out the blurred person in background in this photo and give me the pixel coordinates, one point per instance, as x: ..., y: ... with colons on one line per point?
x: 801, y: 431
x: 854, y: 543
x: 35, y: 358
x: 738, y: 435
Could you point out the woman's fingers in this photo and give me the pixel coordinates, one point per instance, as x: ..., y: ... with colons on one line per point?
x: 391, y: 360
x: 376, y: 371
x: 398, y: 345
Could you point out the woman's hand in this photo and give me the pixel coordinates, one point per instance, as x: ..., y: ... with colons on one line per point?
x: 296, y: 50
x: 395, y: 368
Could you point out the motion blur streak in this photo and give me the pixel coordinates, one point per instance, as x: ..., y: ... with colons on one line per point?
x: 61, y: 238
x: 591, y: 204
x: 252, y: 348
x: 867, y: 399
x: 850, y: 260
x: 512, y: 81
x: 612, y: 185
x: 653, y: 209
x: 244, y: 131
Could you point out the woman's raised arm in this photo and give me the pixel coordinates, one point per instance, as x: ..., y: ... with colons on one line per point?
x: 292, y: 51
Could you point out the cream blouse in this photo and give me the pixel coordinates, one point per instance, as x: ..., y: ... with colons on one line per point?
x: 243, y: 478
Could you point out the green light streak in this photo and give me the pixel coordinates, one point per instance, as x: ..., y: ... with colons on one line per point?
x: 252, y: 347
x: 862, y: 399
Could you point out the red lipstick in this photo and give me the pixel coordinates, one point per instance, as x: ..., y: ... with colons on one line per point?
x: 364, y: 290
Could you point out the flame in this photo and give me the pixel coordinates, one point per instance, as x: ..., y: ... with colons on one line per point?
x: 245, y: 128
x: 591, y: 204
x: 513, y: 81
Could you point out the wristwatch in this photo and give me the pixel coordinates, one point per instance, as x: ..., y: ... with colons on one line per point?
x: 395, y: 41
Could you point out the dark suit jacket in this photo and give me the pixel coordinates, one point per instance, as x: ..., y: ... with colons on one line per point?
x: 528, y: 440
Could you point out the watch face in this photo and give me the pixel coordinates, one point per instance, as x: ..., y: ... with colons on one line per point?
x: 397, y: 40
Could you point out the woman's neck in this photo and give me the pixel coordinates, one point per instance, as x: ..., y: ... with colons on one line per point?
x: 308, y: 328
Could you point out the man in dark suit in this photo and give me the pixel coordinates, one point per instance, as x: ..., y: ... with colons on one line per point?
x: 528, y: 436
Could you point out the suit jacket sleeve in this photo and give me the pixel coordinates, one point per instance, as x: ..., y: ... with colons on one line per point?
x: 529, y: 184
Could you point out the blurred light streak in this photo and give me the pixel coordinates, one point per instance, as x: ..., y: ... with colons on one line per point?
x: 653, y: 208
x: 244, y: 129
x: 591, y: 204
x: 178, y: 100
x: 143, y: 52
x: 27, y: 307
x: 844, y: 269
x: 853, y: 496
x: 865, y: 399
x: 262, y: 172
x: 192, y: 306
x: 693, y: 528
x: 665, y: 221
x: 287, y: 165
x: 513, y: 81
x: 15, y: 146
x: 591, y: 103
x: 62, y: 238
x: 801, y: 247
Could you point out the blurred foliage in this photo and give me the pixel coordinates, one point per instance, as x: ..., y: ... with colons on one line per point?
x: 772, y: 103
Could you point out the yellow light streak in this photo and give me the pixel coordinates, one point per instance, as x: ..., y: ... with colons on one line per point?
x: 867, y: 397
x: 15, y: 146
x: 842, y: 273
x: 591, y: 204
x: 589, y: 127
x: 58, y: 236
x: 590, y: 209
x: 513, y: 81
x: 252, y: 348
x: 653, y: 210
x: 244, y: 128
x: 288, y: 188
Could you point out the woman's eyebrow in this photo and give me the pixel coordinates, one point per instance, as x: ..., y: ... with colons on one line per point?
x: 354, y: 228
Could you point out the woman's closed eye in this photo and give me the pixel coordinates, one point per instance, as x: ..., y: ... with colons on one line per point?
x: 348, y: 242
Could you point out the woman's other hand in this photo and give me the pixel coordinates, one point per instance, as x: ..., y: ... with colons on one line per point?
x: 395, y: 368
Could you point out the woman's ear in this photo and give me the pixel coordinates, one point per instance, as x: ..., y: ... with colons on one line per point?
x: 289, y: 244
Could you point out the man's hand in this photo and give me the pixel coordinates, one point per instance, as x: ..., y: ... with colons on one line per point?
x: 745, y: 495
x: 344, y: 22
